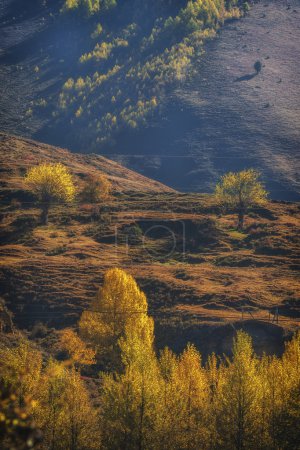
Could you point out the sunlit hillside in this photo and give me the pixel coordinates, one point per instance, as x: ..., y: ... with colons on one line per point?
x: 200, y: 273
x: 149, y: 225
x: 167, y: 88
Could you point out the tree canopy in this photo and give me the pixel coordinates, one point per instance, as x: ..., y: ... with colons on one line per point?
x: 50, y: 183
x: 240, y: 191
x: 120, y: 306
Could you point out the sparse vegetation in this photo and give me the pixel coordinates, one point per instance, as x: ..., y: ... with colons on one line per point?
x: 132, y: 64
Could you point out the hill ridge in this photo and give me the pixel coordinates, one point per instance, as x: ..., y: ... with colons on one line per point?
x: 18, y: 151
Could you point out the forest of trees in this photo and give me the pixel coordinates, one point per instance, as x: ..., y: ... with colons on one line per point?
x: 145, y: 400
x: 131, y: 57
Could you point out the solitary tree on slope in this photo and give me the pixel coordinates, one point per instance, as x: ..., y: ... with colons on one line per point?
x: 50, y: 183
x: 240, y: 191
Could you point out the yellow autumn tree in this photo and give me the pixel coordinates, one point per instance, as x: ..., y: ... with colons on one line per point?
x: 64, y: 411
x: 17, y: 428
x: 20, y: 368
x: 192, y: 390
x: 279, y: 409
x: 89, y: 7
x: 50, y: 404
x: 215, y: 376
x: 286, y: 414
x: 274, y: 394
x: 78, y: 353
x: 119, y: 303
x: 240, y: 191
x: 80, y: 418
x: 169, y: 424
x: 50, y: 183
x: 239, y: 398
x: 131, y: 400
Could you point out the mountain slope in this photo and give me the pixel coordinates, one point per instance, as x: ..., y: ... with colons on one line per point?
x: 217, y: 115
x: 203, y: 279
x: 17, y: 154
x: 226, y: 117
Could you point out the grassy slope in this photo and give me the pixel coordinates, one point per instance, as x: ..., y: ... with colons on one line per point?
x: 209, y: 124
x: 196, y: 291
x: 25, y: 153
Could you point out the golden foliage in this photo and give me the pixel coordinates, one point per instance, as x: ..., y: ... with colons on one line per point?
x: 51, y: 182
x: 64, y: 411
x: 78, y: 352
x: 21, y: 368
x: 171, y: 402
x: 241, y: 188
x: 89, y: 6
x: 120, y: 305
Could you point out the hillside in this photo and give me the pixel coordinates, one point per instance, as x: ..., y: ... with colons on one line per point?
x: 17, y: 154
x: 203, y: 279
x: 166, y: 88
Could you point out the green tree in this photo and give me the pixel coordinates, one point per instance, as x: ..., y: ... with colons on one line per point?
x: 50, y: 183
x: 240, y: 191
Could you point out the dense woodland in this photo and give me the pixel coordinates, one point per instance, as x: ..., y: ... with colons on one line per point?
x: 128, y: 58
x: 147, y: 400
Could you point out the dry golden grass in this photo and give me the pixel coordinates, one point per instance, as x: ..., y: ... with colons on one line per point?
x: 50, y: 273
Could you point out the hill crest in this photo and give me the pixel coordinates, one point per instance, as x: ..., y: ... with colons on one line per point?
x: 18, y: 154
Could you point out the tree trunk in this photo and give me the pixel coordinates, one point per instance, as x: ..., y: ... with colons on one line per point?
x: 45, y: 214
x: 241, y: 216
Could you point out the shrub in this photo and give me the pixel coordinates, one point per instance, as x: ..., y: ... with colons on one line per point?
x: 96, y: 189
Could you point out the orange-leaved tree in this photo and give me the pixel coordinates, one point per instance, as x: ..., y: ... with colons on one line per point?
x: 96, y: 189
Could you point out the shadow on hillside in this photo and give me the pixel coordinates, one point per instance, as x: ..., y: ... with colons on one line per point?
x: 247, y: 77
